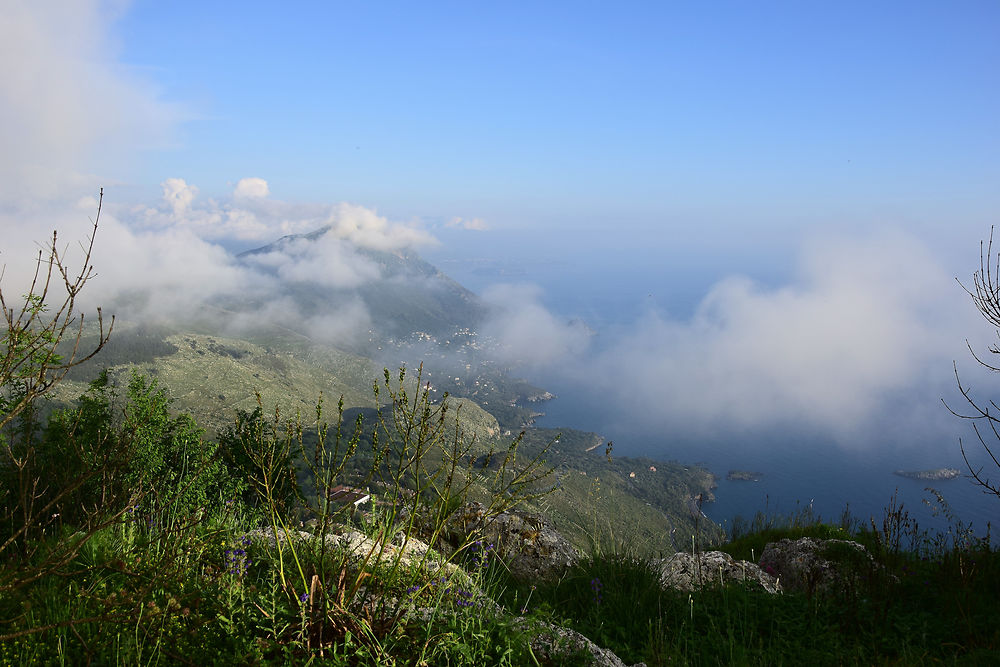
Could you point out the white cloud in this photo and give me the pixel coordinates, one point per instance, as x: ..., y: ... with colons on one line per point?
x: 866, y: 322
x: 471, y: 224
x: 252, y: 216
x: 326, y: 261
x: 178, y: 195
x: 67, y: 109
x: 251, y: 188
x: 68, y: 113
x: 857, y: 347
x: 367, y: 229
x: 165, y: 262
x: 528, y: 335
x: 166, y: 274
x: 349, y: 324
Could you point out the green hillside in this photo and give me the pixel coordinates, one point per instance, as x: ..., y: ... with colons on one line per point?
x: 423, y: 320
x: 590, y: 498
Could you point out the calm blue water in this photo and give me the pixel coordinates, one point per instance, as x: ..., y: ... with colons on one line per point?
x: 798, y: 473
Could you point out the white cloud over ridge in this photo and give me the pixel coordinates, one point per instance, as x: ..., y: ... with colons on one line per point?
x: 165, y: 262
x: 328, y: 261
x: 251, y: 215
x: 861, y: 342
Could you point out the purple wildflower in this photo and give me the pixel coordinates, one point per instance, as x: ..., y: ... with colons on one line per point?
x: 596, y: 586
x: 237, y: 561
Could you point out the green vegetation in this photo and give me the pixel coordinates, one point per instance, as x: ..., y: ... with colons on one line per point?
x: 217, y: 380
x: 155, y: 545
x: 600, y: 500
x: 929, y: 604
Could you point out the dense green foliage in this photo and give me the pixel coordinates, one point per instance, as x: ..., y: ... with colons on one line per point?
x: 144, y: 551
x: 134, y: 452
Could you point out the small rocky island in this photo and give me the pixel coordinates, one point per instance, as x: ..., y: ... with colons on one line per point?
x: 930, y: 475
x: 744, y: 476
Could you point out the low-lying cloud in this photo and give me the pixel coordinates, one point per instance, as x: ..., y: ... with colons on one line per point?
x: 166, y: 262
x: 859, y: 346
x: 526, y: 333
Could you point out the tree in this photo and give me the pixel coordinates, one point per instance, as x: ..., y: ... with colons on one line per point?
x: 985, y: 416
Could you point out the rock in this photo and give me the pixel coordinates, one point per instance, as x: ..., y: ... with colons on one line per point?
x: 362, y: 549
x: 272, y: 537
x: 687, y: 572
x: 816, y: 566
x: 527, y: 542
x: 557, y: 643
x: 554, y: 644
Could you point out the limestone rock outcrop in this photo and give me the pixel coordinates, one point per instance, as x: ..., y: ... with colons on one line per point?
x: 362, y: 549
x: 816, y: 566
x: 527, y: 542
x: 687, y: 572
x: 556, y: 643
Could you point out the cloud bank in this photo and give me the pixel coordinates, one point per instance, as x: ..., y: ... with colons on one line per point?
x: 859, y: 344
x: 526, y: 333
x: 165, y: 262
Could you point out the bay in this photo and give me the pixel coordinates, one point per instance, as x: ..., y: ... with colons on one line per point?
x: 797, y: 474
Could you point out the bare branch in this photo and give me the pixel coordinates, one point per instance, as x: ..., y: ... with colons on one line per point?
x: 29, y: 363
x: 986, y: 297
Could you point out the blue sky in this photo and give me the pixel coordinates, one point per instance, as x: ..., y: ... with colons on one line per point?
x: 774, y: 198
x: 652, y: 115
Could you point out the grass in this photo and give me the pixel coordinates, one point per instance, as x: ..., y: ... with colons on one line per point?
x: 162, y: 581
x: 927, y: 606
x: 207, y: 593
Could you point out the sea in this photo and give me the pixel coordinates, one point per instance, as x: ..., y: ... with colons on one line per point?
x: 797, y: 477
x: 798, y: 474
